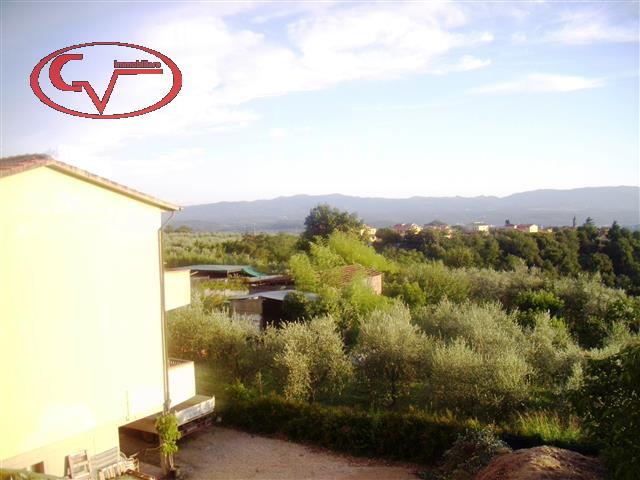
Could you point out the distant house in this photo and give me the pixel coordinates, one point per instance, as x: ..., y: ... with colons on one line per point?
x: 222, y: 271
x: 439, y: 226
x: 527, y: 227
x: 508, y: 225
x: 404, y: 228
x: 369, y: 233
x: 478, y: 227
x: 81, y: 313
x: 266, y: 307
x: 521, y: 227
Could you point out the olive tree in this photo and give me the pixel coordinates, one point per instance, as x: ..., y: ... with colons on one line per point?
x: 309, y: 358
x: 389, y: 353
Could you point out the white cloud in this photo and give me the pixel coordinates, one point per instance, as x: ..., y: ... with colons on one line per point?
x: 464, y: 64
x: 225, y: 68
x: 540, y: 83
x: 592, y: 26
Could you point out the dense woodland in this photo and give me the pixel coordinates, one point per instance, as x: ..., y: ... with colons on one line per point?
x: 521, y: 335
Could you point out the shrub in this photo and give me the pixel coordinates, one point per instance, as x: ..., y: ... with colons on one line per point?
x: 551, y: 351
x: 190, y: 332
x: 417, y: 437
x: 589, y: 308
x: 487, y: 327
x: 388, y: 354
x: 530, y: 303
x: 475, y: 384
x: 550, y: 427
x: 309, y: 359
x: 435, y: 281
x: 228, y: 342
x: 609, y: 405
x: 469, y: 453
x: 477, y: 367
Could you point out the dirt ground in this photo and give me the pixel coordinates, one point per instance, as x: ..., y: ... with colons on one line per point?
x: 225, y: 454
x: 548, y: 463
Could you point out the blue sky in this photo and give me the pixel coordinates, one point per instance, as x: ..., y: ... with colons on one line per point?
x: 369, y: 99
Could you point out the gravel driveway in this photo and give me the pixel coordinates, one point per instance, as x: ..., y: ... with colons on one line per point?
x: 222, y: 453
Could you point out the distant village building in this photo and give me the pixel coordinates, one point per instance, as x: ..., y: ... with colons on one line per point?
x: 478, y: 227
x: 369, y: 233
x: 521, y: 227
x: 404, y: 228
x: 439, y: 226
x: 528, y: 227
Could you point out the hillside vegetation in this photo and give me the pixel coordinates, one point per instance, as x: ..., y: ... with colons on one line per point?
x: 472, y: 332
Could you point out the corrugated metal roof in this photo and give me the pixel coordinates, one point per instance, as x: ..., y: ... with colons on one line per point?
x: 22, y: 163
x: 275, y: 295
x: 227, y: 269
x: 218, y: 268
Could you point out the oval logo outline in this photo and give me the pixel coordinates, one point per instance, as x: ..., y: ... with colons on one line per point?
x: 173, y: 92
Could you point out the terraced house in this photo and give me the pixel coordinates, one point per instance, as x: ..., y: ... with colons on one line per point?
x: 82, y: 299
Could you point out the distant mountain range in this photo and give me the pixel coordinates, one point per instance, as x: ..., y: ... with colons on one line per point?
x: 543, y: 207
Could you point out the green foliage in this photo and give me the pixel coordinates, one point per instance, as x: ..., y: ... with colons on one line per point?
x: 428, y: 283
x: 229, y: 342
x: 552, y: 353
x: 190, y: 332
x: 414, y: 437
x: 549, y: 426
x: 613, y: 254
x: 353, y: 251
x: 167, y: 428
x: 323, y: 220
x: 609, y: 405
x: 267, y: 253
x: 477, y: 367
x: 532, y: 302
x: 309, y: 359
x: 303, y: 271
x: 16, y: 474
x: 389, y: 354
x: 469, y: 453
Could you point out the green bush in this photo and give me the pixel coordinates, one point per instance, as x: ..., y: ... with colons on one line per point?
x: 230, y: 343
x: 477, y: 366
x: 413, y: 437
x: 309, y: 359
x: 389, y: 354
x: 609, y: 405
x: 469, y: 453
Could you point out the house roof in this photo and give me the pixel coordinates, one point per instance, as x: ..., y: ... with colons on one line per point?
x: 349, y: 272
x: 226, y: 269
x: 23, y: 163
x: 278, y: 295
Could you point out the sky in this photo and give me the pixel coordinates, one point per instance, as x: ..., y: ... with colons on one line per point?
x: 385, y: 99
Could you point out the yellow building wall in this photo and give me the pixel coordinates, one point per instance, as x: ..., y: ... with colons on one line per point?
x: 177, y: 288
x: 80, y: 342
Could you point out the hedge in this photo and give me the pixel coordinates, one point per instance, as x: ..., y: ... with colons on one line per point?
x: 415, y: 436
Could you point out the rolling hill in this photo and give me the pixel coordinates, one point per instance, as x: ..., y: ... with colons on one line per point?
x: 543, y: 207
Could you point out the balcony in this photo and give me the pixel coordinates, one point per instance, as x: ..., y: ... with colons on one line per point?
x: 182, y: 380
x: 177, y: 288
